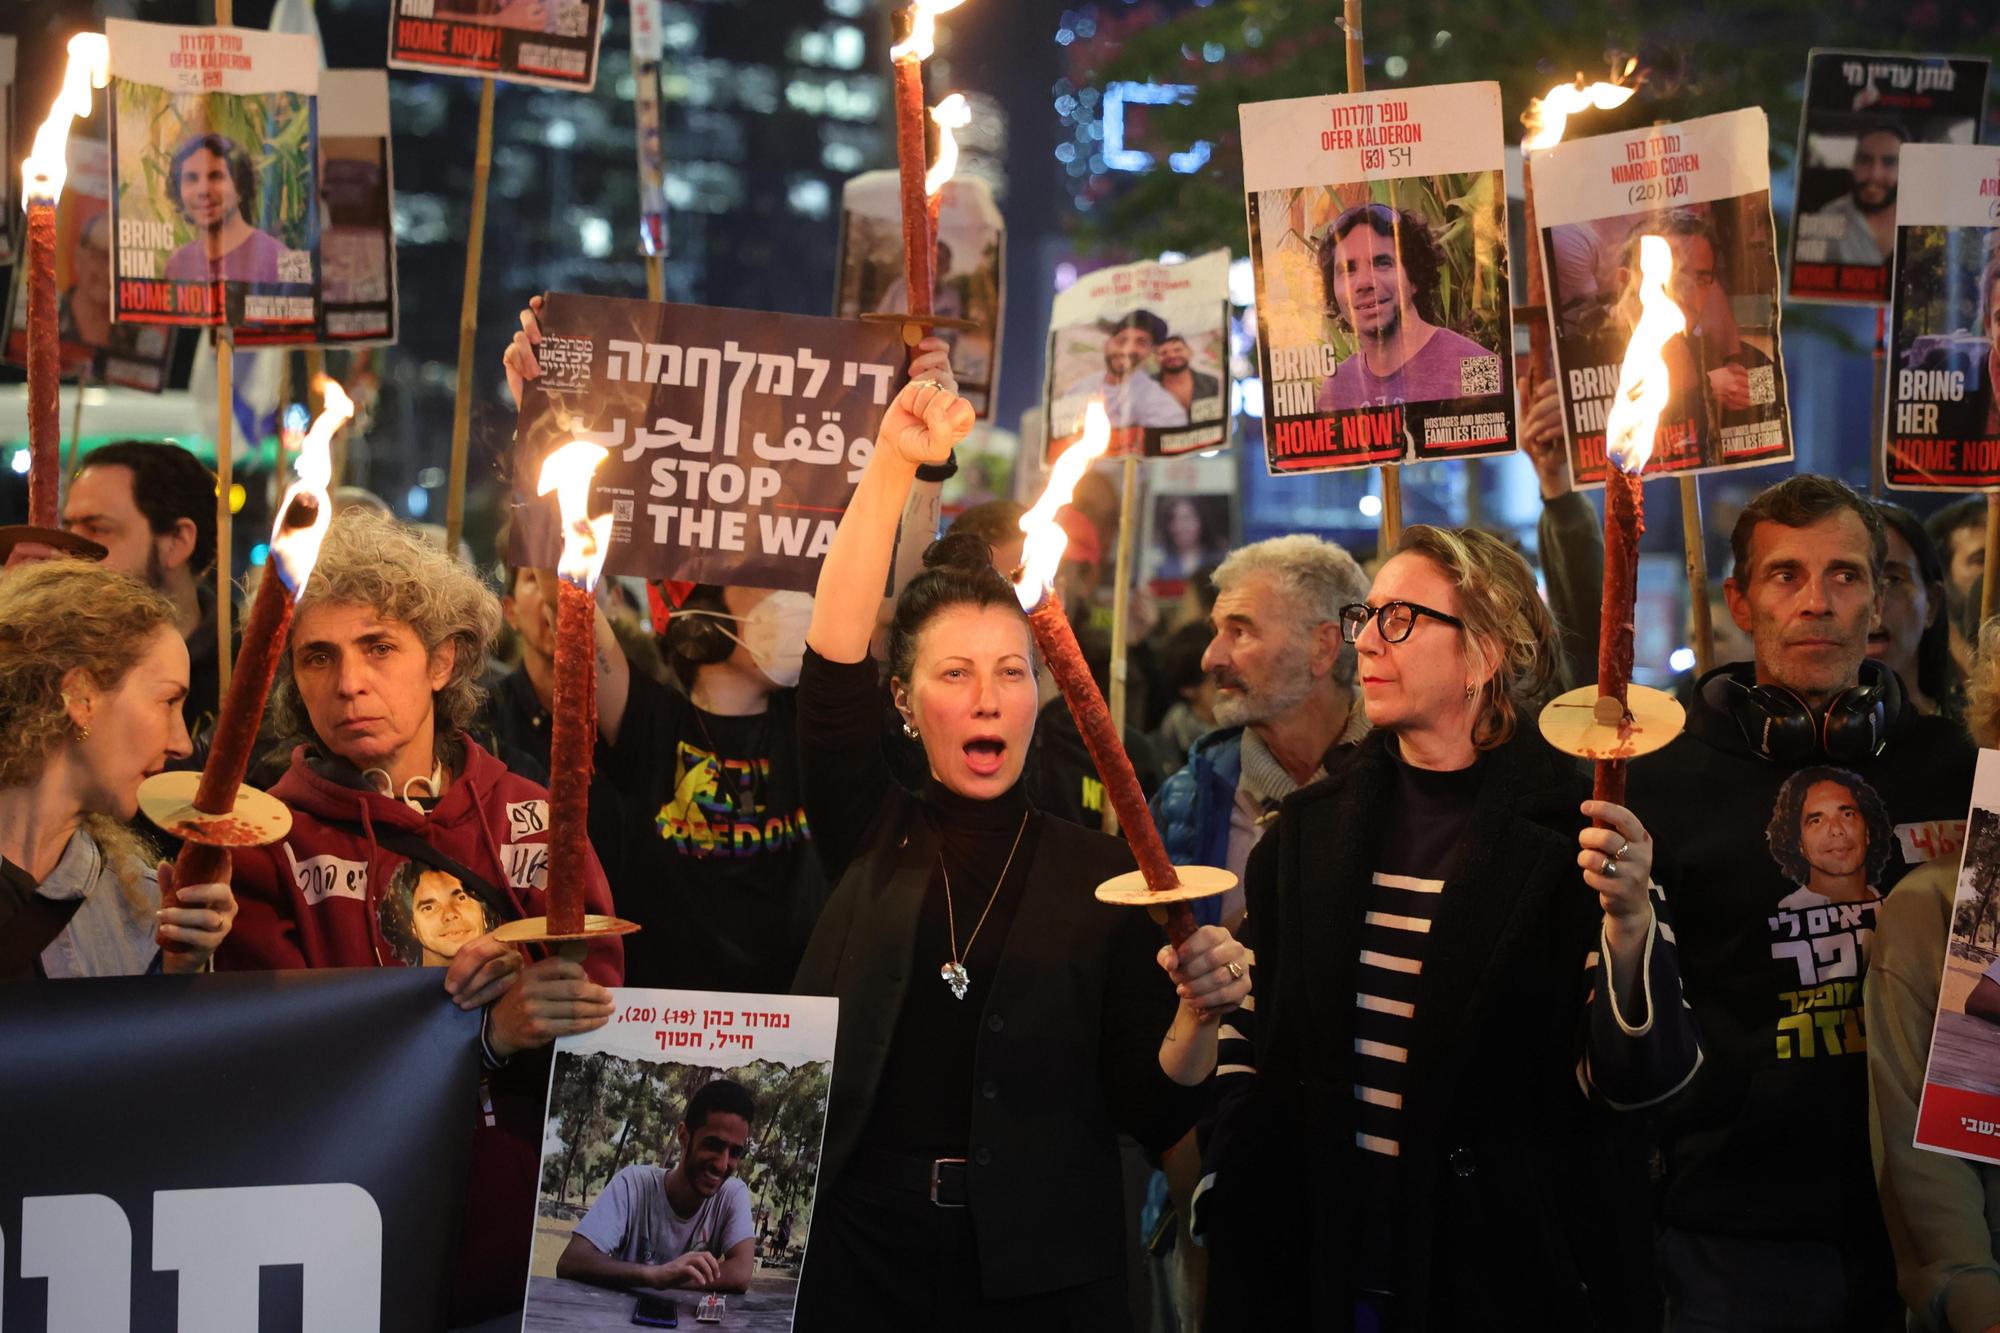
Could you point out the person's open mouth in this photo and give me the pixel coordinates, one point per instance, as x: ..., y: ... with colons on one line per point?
x: 985, y: 754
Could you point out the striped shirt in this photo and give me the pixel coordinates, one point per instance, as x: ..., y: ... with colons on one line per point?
x: 1394, y: 929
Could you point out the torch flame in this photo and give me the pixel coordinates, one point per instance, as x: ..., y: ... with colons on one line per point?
x: 923, y: 30
x: 43, y: 173
x: 586, y: 541
x: 954, y: 113
x: 1547, y: 117
x: 1045, y: 541
x: 295, y: 549
x: 1642, y: 379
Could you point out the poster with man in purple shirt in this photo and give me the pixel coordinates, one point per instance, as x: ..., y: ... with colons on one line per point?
x: 1378, y: 235
x: 215, y: 157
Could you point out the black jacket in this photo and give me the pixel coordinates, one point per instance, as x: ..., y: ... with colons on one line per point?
x: 1772, y: 1138
x: 1511, y: 1181
x: 1068, y: 1044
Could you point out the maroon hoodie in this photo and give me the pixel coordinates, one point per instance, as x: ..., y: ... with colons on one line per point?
x: 315, y: 899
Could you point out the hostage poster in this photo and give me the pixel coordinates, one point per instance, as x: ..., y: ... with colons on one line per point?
x: 214, y: 153
x: 1378, y: 235
x: 969, y: 281
x: 1959, y: 1112
x: 680, y: 1161
x: 357, y: 223
x: 90, y: 348
x: 1863, y: 109
x: 1151, y: 342
x: 549, y: 42
x: 1705, y: 186
x: 736, y: 436
x: 1943, y: 427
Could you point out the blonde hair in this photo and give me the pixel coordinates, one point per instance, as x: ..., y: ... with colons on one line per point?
x: 1982, y: 688
x: 56, y: 617
x: 1507, y: 628
x: 387, y: 566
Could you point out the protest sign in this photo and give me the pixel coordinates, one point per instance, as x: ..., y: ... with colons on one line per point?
x: 1151, y: 342
x: 971, y: 270
x: 548, y: 42
x: 1943, y: 427
x: 90, y: 347
x: 736, y: 436
x: 1704, y: 185
x: 719, y: 1098
x: 358, y: 226
x: 331, y: 1201
x: 1863, y: 110
x: 1959, y: 1112
x: 214, y: 153
x: 1378, y: 235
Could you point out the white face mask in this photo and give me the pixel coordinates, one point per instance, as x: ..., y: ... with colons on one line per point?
x: 774, y: 632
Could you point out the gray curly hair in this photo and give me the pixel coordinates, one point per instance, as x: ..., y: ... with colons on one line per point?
x: 368, y: 560
x: 1317, y: 576
x: 1507, y: 626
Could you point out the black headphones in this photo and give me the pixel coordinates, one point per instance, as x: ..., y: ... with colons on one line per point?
x: 694, y: 634
x: 1785, y: 729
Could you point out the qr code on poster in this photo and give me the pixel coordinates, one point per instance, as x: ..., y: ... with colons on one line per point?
x: 1478, y: 375
x: 295, y: 266
x: 1763, y: 385
x: 570, y: 19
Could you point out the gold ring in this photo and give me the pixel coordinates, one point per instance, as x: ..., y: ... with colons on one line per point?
x: 1236, y: 971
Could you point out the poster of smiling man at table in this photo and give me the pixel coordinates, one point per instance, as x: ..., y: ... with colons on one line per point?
x: 680, y: 1162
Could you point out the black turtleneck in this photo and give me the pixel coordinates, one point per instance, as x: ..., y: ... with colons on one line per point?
x: 923, y: 1103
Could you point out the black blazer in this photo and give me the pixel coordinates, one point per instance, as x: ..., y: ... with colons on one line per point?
x: 1505, y: 1166
x: 1068, y: 1044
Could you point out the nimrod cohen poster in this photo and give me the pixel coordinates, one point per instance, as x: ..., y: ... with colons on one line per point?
x: 550, y: 42
x: 736, y: 436
x: 1151, y: 342
x: 1704, y: 185
x: 1862, y: 110
x: 1378, y: 231
x: 1944, y: 412
x: 680, y: 1162
x: 214, y: 152
x: 358, y: 232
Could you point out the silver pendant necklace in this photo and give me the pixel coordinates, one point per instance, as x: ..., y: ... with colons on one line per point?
x: 953, y: 972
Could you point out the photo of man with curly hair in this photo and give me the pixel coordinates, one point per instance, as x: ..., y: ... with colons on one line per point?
x: 1829, y: 833
x: 1379, y: 267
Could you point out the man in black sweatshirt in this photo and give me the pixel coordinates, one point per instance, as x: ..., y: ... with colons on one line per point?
x: 1769, y: 1213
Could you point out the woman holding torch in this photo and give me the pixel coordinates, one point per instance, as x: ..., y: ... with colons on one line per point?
x: 1427, y: 956
x: 377, y: 682
x: 998, y: 1025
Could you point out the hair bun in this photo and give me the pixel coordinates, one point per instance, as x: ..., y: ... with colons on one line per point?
x: 959, y: 551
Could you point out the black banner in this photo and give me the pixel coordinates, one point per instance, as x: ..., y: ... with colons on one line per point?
x: 252, y: 1150
x: 736, y: 436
